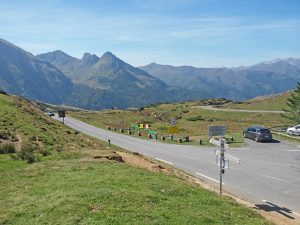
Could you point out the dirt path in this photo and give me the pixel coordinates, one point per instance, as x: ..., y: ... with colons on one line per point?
x: 209, y: 107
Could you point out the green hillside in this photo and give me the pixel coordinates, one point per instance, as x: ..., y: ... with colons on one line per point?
x: 275, y: 102
x: 78, y: 183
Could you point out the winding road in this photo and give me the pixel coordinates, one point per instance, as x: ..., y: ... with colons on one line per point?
x: 268, y: 177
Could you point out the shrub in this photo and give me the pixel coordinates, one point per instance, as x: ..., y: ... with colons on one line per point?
x: 195, y: 118
x: 27, y: 153
x: 44, y: 152
x: 185, y: 110
x: 7, y: 148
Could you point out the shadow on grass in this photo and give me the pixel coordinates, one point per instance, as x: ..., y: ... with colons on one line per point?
x: 270, y: 207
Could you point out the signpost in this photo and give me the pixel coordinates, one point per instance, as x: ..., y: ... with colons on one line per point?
x: 217, y: 131
x: 173, y: 129
x: 62, y: 113
x: 221, y: 159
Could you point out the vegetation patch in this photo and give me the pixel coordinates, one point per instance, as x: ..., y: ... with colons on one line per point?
x: 7, y: 148
x: 195, y: 118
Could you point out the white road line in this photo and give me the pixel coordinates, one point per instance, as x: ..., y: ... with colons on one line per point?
x: 274, y: 178
x: 202, y: 175
x: 164, y: 161
x: 297, y: 214
x: 293, y: 150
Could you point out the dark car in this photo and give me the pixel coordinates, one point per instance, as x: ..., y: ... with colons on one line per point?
x: 258, y: 133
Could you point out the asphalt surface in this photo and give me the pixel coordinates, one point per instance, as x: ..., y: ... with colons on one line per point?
x: 269, y: 175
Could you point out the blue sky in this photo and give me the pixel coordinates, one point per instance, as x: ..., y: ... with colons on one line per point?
x: 202, y: 33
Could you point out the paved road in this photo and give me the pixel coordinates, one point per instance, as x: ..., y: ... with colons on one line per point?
x: 209, y: 107
x: 269, y: 174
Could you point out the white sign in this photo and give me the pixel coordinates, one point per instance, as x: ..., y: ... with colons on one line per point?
x: 216, y: 131
x: 230, y: 158
x: 225, y: 163
x: 233, y: 159
x: 218, y: 143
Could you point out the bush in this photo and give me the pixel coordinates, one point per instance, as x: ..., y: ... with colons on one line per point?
x: 195, y: 118
x: 44, y: 152
x: 27, y: 153
x: 185, y: 110
x: 7, y: 148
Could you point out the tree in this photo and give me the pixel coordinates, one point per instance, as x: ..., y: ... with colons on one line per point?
x: 293, y: 104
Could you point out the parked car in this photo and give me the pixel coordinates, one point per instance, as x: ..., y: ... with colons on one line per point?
x: 258, y: 133
x: 50, y: 113
x: 294, y: 130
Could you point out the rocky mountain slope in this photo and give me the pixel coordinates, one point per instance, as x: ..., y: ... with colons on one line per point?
x: 24, y: 74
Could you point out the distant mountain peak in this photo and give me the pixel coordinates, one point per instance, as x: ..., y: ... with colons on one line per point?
x: 89, y: 59
x: 56, y: 54
x: 289, y: 60
x: 57, y: 57
x: 108, y: 53
x: 273, y: 61
x: 109, y: 56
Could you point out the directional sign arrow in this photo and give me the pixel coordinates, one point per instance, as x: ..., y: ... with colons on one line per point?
x: 217, y: 143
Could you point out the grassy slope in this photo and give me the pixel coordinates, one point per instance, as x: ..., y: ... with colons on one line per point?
x: 159, y: 116
x: 70, y: 187
x: 276, y: 102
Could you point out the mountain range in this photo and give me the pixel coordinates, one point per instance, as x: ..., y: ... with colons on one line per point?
x: 94, y: 82
x: 233, y: 83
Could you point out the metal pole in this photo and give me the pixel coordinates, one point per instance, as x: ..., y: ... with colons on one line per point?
x: 221, y: 163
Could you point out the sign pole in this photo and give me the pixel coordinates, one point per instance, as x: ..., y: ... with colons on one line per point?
x: 221, y: 163
x: 220, y: 154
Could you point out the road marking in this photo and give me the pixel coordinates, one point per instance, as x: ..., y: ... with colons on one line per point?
x: 274, y: 178
x: 293, y: 150
x: 164, y: 161
x: 297, y: 214
x: 202, y: 175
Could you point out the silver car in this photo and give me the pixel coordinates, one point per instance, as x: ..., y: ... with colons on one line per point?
x: 294, y: 130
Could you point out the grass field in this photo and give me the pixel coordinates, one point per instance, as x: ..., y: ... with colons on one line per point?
x: 70, y: 185
x: 81, y: 191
